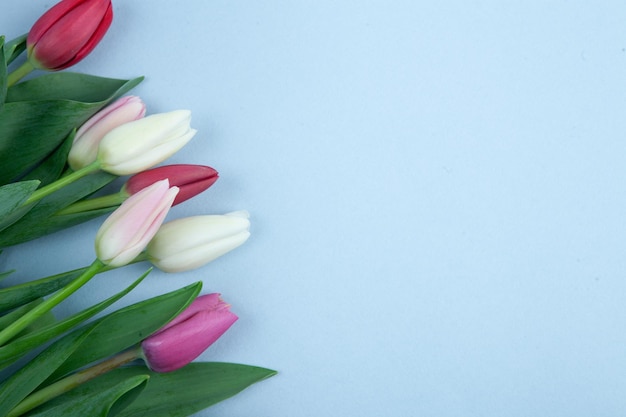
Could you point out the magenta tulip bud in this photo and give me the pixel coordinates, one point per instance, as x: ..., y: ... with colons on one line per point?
x: 127, y: 231
x: 190, y: 179
x: 188, y: 335
x: 67, y: 32
x: 87, y: 139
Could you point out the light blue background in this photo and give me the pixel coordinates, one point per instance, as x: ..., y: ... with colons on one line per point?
x: 436, y: 190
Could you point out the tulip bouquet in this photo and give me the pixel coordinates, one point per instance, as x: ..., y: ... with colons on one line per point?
x: 64, y: 139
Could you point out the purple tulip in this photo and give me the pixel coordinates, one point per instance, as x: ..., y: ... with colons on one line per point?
x: 189, y: 334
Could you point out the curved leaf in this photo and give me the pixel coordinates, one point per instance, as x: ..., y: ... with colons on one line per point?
x: 106, y: 402
x: 40, y: 113
x: 51, y: 168
x: 41, y: 220
x: 192, y: 388
x: 22, y: 345
x: 128, y: 326
x: 174, y: 394
x: 23, y: 382
x: 12, y: 196
x: 14, y: 48
x: 3, y: 74
x: 21, y: 294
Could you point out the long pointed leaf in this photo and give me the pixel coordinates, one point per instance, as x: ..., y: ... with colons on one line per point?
x: 175, y: 394
x: 12, y: 197
x: 24, y: 381
x: 128, y: 326
x: 3, y: 74
x: 193, y: 388
x: 21, y: 346
x: 51, y: 168
x: 41, y: 220
x: 71, y: 86
x: 21, y: 294
x: 14, y: 48
x: 39, y: 114
x: 107, y: 402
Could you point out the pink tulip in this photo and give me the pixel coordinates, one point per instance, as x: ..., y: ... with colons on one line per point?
x: 188, y: 335
x: 190, y: 179
x: 127, y: 231
x: 85, y: 147
x: 67, y: 32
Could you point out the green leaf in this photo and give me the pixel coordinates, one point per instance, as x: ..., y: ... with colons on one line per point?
x: 43, y: 321
x: 22, y: 345
x: 174, y: 394
x: 41, y: 220
x: 128, y: 326
x: 10, y: 317
x: 5, y: 275
x: 21, y: 294
x: 24, y: 381
x: 51, y: 168
x: 71, y: 86
x: 14, y: 48
x: 107, y: 402
x: 40, y: 113
x: 193, y: 388
x: 12, y: 196
x: 3, y: 74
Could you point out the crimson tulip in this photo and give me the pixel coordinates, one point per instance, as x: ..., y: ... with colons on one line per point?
x: 190, y: 179
x: 67, y: 32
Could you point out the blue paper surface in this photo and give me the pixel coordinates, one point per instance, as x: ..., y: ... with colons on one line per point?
x: 436, y: 193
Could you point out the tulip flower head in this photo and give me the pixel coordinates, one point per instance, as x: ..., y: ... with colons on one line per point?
x: 188, y: 243
x: 190, y: 179
x: 188, y: 335
x: 87, y: 139
x: 127, y: 231
x: 67, y: 32
x: 141, y: 144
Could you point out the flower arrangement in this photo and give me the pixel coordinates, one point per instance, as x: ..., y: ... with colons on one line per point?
x: 64, y: 137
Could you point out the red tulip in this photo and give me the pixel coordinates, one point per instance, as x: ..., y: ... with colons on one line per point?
x: 190, y: 179
x: 67, y: 32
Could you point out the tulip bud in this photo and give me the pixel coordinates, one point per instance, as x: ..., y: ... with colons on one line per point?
x: 188, y: 335
x: 127, y: 231
x: 67, y: 32
x: 190, y: 179
x: 85, y: 147
x: 188, y: 243
x: 138, y: 145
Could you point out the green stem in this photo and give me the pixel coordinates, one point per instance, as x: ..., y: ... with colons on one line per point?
x: 106, y: 201
x: 62, y: 182
x: 66, y: 384
x: 19, y: 73
x: 18, y: 325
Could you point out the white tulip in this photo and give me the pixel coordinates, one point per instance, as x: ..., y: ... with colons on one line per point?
x: 188, y: 243
x: 141, y: 144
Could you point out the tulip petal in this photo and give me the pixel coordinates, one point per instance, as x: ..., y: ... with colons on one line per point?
x: 128, y: 229
x: 191, y: 242
x: 68, y: 32
x: 179, y: 345
x: 141, y: 144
